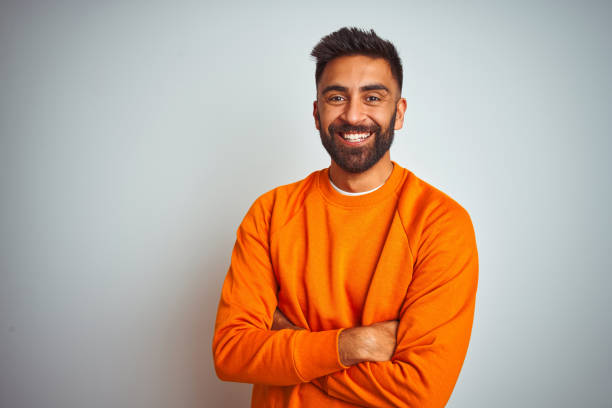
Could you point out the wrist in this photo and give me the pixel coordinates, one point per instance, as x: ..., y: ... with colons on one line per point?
x: 351, y: 346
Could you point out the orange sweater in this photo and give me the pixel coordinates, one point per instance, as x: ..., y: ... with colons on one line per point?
x: 329, y: 261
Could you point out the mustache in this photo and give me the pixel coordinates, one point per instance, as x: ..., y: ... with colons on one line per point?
x: 346, y: 128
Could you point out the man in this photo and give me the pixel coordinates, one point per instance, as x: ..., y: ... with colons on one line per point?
x: 356, y: 285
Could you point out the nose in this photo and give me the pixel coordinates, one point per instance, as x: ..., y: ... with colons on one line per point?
x: 354, y: 113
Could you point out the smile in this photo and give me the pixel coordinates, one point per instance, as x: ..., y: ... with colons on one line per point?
x: 354, y: 137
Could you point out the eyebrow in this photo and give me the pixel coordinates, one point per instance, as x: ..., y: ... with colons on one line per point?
x: 365, y: 88
x: 374, y: 87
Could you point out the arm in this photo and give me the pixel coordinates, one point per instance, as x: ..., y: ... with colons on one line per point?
x: 434, y: 329
x: 356, y: 345
x: 244, y: 349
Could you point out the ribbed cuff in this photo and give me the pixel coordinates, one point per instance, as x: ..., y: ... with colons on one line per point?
x: 315, y: 354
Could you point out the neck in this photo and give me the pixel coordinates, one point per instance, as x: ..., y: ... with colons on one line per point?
x: 365, y: 181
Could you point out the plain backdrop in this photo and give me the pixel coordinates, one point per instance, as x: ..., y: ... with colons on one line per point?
x: 135, y: 135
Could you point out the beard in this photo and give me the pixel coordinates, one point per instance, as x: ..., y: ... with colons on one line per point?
x: 361, y: 158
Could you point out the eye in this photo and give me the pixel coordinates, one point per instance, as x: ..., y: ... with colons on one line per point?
x: 372, y: 98
x: 336, y: 98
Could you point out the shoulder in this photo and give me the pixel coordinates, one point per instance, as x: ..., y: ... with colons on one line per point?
x: 424, y: 207
x: 280, y: 204
x: 431, y: 198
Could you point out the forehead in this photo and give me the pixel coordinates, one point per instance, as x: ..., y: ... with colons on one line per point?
x: 354, y: 71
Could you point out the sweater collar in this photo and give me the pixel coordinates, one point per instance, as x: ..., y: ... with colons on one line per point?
x: 391, y: 186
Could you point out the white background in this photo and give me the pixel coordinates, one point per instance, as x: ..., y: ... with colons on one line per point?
x: 134, y: 137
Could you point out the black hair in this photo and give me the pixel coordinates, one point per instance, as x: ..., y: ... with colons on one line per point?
x: 355, y: 41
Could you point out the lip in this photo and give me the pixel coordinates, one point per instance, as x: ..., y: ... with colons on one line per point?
x: 356, y: 143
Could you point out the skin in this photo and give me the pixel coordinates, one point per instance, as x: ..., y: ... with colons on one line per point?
x: 346, y: 95
x: 357, y: 105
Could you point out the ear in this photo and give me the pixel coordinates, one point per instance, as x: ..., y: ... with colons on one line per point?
x: 399, y: 116
x: 315, y: 111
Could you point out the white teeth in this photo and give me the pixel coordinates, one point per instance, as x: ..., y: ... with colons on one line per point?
x: 354, y: 137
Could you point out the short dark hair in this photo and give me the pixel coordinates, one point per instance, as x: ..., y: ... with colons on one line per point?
x: 355, y: 41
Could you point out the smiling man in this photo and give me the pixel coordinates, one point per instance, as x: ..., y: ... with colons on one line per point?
x: 357, y: 135
x: 355, y: 286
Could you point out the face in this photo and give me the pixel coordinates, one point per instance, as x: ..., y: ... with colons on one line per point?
x: 358, y: 107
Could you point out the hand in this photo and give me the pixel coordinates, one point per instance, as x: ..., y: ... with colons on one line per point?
x: 376, y: 342
x: 280, y: 322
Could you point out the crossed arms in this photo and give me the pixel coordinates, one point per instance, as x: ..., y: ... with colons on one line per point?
x: 356, y: 345
x: 411, y: 362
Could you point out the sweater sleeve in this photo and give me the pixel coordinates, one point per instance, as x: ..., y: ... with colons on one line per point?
x: 434, y: 329
x: 244, y: 347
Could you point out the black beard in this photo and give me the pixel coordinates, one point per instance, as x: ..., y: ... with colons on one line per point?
x: 357, y: 159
